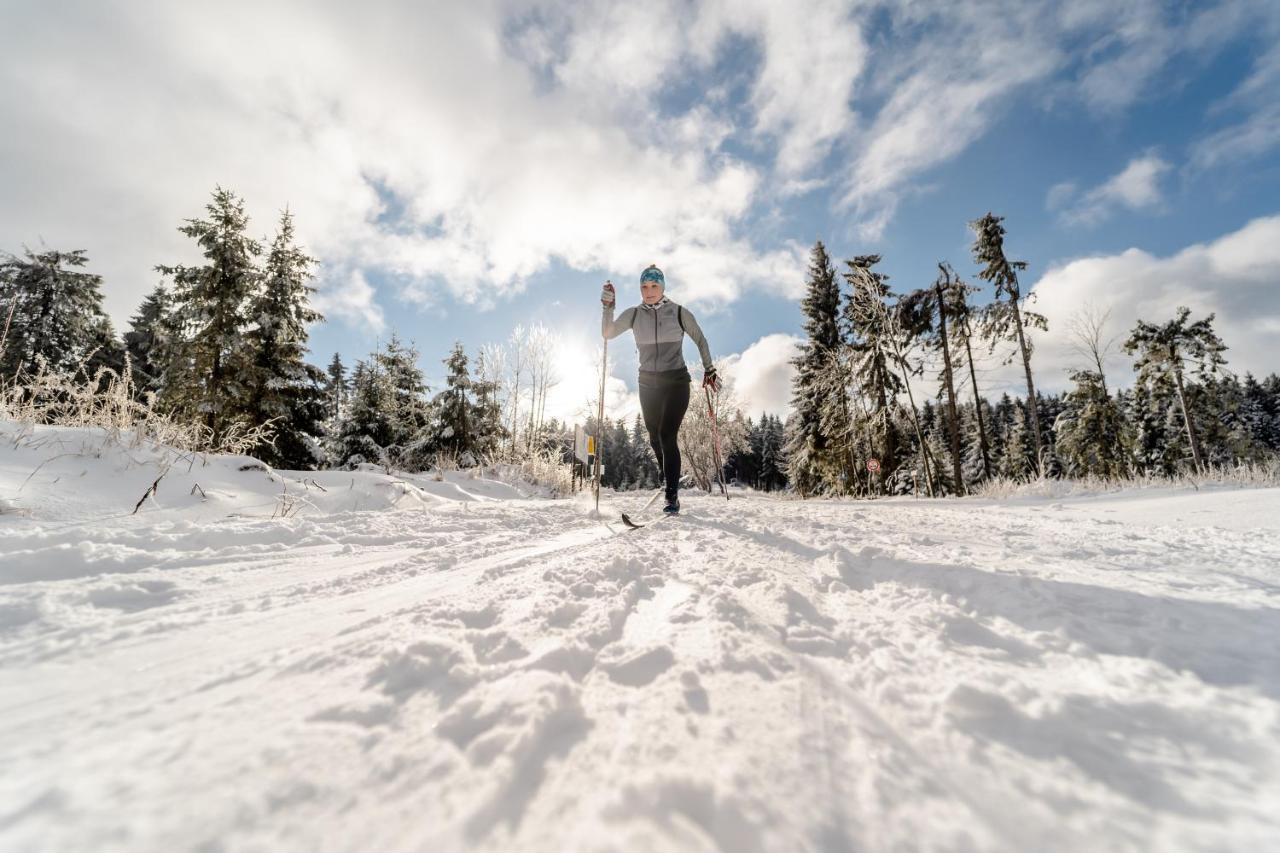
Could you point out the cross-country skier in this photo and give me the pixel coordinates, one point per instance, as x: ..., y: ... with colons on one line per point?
x: 659, y: 326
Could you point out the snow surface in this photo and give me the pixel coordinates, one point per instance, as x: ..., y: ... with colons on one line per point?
x: 413, y: 664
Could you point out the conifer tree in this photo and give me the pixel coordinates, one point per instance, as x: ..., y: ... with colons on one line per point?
x: 147, y: 340
x: 54, y: 314
x: 926, y: 315
x: 1016, y: 457
x: 808, y: 442
x: 1261, y: 411
x: 453, y: 405
x: 365, y: 430
x: 207, y: 374
x: 337, y: 387
x: 282, y: 387
x: 879, y: 345
x: 1006, y: 318
x: 773, y: 461
x: 409, y: 443
x: 1090, y: 434
x: 1166, y: 353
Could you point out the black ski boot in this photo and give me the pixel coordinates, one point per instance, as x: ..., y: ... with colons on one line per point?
x: 673, y: 504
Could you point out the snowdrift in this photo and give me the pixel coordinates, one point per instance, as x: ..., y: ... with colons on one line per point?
x: 466, y: 670
x: 82, y: 475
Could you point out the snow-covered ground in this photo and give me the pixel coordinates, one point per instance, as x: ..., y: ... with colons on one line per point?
x: 424, y: 665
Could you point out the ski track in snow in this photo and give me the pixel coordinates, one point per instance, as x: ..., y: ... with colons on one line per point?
x: 756, y: 675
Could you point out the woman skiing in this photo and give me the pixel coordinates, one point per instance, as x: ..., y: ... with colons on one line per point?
x: 659, y: 326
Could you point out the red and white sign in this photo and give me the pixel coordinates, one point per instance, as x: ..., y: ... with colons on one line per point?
x: 873, y: 465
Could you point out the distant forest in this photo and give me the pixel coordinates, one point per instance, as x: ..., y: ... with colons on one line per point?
x: 223, y: 347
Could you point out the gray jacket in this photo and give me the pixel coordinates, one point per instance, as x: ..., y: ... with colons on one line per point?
x: 659, y: 331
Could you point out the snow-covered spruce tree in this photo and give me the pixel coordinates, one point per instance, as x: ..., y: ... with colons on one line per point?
x: 742, y: 467
x: 872, y: 357
x: 1270, y: 403
x: 410, y: 443
x: 54, y: 314
x: 808, y: 445
x: 1091, y: 438
x: 773, y: 459
x: 1224, y: 421
x: 489, y: 433
x: 336, y: 387
x: 977, y: 462
x: 282, y: 387
x: 209, y: 366
x: 881, y: 345
x: 1146, y: 407
x: 841, y: 425
x: 454, y: 409
x: 146, y: 342
x: 1050, y: 408
x: 1261, y: 412
x: 1017, y: 454
x: 925, y: 316
x: 620, y: 470
x: 1006, y: 318
x: 1169, y: 352
x: 365, y: 429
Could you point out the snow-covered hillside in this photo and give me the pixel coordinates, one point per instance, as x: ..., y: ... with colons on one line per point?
x: 460, y: 665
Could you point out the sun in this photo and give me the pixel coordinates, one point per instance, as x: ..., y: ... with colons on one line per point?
x: 576, y: 372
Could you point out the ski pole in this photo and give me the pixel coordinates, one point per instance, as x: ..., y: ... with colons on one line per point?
x: 715, y: 435
x: 604, y: 367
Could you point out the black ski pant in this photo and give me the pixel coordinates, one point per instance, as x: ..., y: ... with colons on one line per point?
x: 663, y: 402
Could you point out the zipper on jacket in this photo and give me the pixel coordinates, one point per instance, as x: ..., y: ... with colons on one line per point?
x: 655, y: 339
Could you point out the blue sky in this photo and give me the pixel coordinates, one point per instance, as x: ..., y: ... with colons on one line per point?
x: 465, y: 168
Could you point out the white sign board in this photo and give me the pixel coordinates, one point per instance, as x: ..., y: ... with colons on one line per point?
x: 581, y: 448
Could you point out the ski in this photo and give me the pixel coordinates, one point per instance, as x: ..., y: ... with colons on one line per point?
x: 626, y: 519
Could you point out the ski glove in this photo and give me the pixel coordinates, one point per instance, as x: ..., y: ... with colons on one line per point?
x: 607, y: 295
x: 710, y: 379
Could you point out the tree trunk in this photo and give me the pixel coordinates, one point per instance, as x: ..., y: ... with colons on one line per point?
x: 1186, y: 418
x: 889, y: 446
x: 1033, y: 404
x: 956, y: 470
x: 977, y: 405
x: 215, y: 382
x: 915, y: 421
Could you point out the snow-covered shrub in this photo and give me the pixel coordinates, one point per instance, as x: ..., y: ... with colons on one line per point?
x: 538, y: 466
x: 109, y: 401
x: 1261, y: 474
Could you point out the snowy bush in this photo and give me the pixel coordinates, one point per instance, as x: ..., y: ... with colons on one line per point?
x: 1255, y: 474
x: 538, y: 466
x: 109, y: 401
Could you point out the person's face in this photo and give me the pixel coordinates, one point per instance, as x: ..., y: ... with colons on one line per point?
x: 651, y: 292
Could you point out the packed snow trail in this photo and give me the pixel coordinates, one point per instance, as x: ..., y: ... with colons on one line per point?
x: 754, y: 675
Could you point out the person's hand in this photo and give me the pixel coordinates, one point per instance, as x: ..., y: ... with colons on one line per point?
x: 711, y: 379
x: 607, y: 295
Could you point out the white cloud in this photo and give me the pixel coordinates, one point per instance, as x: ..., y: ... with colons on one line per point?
x: 334, y: 110
x: 1232, y: 277
x: 761, y: 375
x: 508, y: 135
x: 352, y: 301
x: 1136, y: 187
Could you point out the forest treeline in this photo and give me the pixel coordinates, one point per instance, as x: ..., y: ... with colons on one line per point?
x: 868, y: 349
x: 223, y: 347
